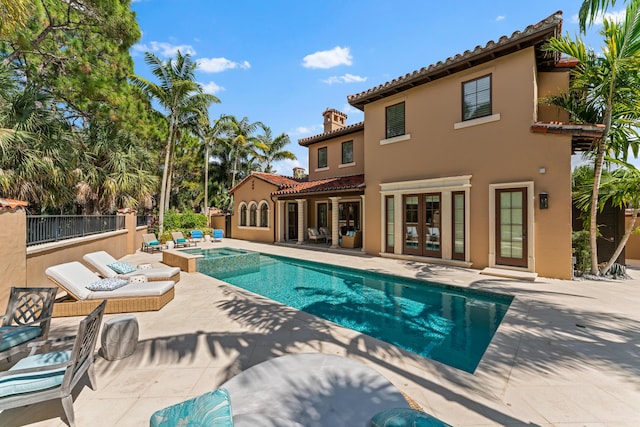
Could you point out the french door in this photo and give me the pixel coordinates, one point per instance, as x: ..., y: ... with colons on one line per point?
x: 292, y: 221
x: 422, y: 224
x: 511, y: 227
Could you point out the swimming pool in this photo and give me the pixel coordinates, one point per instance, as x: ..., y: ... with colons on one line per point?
x: 441, y: 322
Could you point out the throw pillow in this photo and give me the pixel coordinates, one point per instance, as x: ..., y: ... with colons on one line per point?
x: 109, y: 284
x: 122, y: 267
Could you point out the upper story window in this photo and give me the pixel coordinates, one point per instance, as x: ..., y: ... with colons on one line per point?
x: 395, y: 120
x: 322, y: 157
x: 476, y: 98
x: 347, y: 152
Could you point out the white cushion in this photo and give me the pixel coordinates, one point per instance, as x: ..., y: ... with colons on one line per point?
x: 74, y: 277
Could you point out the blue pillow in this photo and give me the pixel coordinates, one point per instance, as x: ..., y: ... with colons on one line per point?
x: 109, y: 284
x: 153, y: 243
x: 122, y: 267
x: 181, y: 240
x: 196, y: 234
x: 209, y: 409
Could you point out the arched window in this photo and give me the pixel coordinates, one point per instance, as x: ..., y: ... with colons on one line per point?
x: 264, y: 214
x: 253, y: 215
x: 243, y: 215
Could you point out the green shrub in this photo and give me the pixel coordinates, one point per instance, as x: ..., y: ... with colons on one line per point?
x: 581, y: 251
x: 189, y: 220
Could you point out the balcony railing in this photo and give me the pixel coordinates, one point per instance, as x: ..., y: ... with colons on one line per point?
x: 53, y: 228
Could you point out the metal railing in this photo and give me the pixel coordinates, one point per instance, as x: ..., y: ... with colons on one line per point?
x: 142, y: 220
x: 53, y: 228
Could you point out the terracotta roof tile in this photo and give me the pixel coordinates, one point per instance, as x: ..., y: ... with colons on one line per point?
x: 328, y: 185
x: 11, y: 204
x: 531, y: 36
x: 338, y: 132
x: 582, y: 135
x: 272, y: 178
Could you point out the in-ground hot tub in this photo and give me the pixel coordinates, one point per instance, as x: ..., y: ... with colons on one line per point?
x: 209, y: 261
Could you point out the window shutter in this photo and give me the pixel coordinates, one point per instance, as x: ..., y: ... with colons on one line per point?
x: 395, y: 120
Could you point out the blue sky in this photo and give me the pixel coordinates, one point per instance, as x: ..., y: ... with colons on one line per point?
x: 284, y: 62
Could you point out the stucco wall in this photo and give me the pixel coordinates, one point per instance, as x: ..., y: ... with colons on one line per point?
x: 13, y: 267
x: 334, y: 157
x: 253, y: 190
x: 632, y: 249
x: 500, y: 151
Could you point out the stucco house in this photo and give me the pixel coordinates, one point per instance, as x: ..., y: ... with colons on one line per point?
x: 457, y: 163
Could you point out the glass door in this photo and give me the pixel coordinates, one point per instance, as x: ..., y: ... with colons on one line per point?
x: 292, y: 221
x: 457, y: 223
x: 432, y: 226
x: 412, y: 225
x: 511, y: 227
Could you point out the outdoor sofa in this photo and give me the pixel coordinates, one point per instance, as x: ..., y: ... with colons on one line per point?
x: 137, y: 295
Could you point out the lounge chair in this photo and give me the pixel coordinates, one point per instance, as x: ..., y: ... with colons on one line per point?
x: 27, y: 318
x: 53, y: 375
x: 315, y: 235
x: 326, y: 233
x: 150, y: 243
x: 108, y: 266
x: 197, y: 235
x: 217, y: 235
x: 180, y: 241
x: 73, y: 277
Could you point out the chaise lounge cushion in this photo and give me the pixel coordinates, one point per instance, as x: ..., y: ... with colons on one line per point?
x: 102, y: 261
x: 74, y: 276
x: 16, y: 335
x: 25, y: 383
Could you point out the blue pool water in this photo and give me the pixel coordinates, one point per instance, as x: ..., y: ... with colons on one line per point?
x: 441, y: 322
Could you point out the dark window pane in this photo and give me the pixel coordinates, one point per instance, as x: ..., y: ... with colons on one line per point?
x: 347, y: 152
x: 476, y: 98
x: 395, y: 120
x: 322, y: 157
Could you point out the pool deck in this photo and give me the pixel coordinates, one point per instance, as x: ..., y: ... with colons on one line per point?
x: 566, y: 354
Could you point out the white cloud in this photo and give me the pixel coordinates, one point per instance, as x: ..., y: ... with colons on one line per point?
x: 618, y: 16
x: 500, y: 18
x: 347, y: 78
x: 353, y: 113
x: 212, y: 88
x: 302, y: 131
x: 328, y: 58
x: 164, y: 49
x: 217, y: 65
x: 285, y: 167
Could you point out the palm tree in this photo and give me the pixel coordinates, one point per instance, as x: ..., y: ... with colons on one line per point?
x: 607, y: 83
x: 177, y: 93
x: 590, y: 9
x: 241, y: 137
x: 210, y: 135
x: 272, y: 150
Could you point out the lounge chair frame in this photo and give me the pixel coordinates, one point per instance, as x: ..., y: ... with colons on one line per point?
x: 175, y: 235
x: 80, y: 362
x: 146, y: 247
x: 28, y: 307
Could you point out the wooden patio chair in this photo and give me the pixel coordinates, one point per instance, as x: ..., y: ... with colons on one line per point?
x: 150, y: 243
x: 180, y: 241
x: 27, y: 318
x: 53, y: 375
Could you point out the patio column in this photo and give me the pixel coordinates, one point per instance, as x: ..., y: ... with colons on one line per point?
x: 279, y: 220
x: 301, y: 216
x: 13, y: 250
x: 335, y: 222
x: 362, y: 223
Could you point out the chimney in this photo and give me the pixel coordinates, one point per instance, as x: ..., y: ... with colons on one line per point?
x: 333, y: 120
x: 298, y: 172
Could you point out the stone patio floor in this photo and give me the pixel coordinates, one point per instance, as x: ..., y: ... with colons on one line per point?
x: 566, y: 354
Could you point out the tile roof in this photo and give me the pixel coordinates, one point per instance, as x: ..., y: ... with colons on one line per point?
x: 338, y: 132
x: 328, y: 185
x: 582, y: 135
x: 533, y: 35
x: 272, y: 178
x: 11, y: 204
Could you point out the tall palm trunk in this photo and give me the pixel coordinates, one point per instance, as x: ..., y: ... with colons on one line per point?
x: 165, y: 174
x: 206, y: 176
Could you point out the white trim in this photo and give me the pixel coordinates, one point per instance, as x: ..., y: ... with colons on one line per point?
x: 322, y: 169
x: 248, y: 227
x: 425, y: 185
x: 531, y: 259
x: 400, y: 138
x: 346, y: 165
x: 476, y: 122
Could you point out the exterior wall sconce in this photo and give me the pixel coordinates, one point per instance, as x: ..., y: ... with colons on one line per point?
x: 544, y: 200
